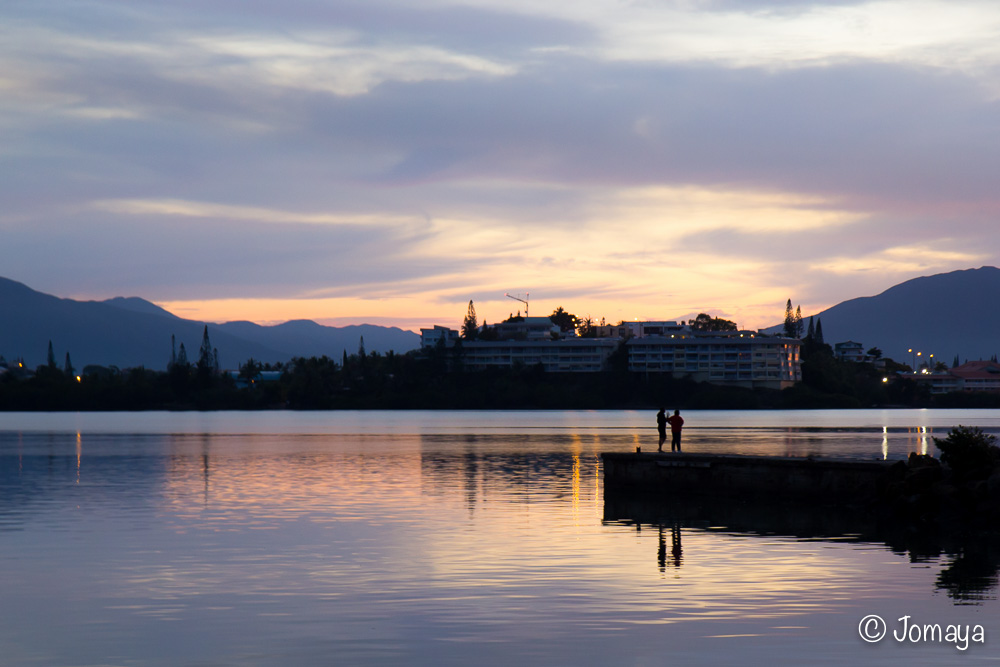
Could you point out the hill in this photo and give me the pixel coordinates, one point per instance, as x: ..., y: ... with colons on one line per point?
x: 129, y: 332
x: 947, y: 314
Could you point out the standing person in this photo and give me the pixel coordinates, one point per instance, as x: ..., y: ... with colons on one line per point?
x: 676, y: 422
x: 661, y: 426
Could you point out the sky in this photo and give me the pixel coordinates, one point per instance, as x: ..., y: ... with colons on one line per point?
x: 386, y: 162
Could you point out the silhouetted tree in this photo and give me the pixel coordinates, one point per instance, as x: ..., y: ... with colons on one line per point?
x: 874, y: 353
x: 182, y: 356
x: 487, y: 332
x: 789, y: 326
x: 705, y: 322
x: 361, y: 348
x: 52, y: 357
x: 798, y: 322
x: 68, y: 367
x: 587, y: 328
x: 206, y: 361
x: 811, y: 332
x: 566, y: 321
x: 819, y: 332
x: 250, y: 370
x: 470, y: 326
x: 173, y: 351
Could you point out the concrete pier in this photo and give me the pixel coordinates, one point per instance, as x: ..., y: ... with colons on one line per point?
x: 822, y: 481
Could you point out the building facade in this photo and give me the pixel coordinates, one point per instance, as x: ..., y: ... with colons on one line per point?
x: 437, y: 335
x: 972, y: 376
x: 743, y: 359
x: 571, y: 355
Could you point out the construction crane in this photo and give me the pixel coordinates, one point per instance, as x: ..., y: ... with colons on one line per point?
x: 518, y: 298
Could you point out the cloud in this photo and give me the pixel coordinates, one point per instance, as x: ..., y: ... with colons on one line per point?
x: 661, y: 158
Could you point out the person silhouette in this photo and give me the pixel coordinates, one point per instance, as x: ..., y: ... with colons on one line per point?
x: 676, y: 422
x: 661, y: 426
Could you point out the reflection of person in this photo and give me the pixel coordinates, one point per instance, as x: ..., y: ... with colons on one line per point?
x: 675, y: 541
x: 661, y: 426
x: 676, y: 422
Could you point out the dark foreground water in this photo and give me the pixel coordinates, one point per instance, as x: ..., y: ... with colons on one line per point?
x: 459, y: 538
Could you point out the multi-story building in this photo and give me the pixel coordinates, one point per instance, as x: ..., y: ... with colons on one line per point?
x: 572, y: 355
x: 850, y: 350
x: 438, y: 335
x: 972, y: 376
x: 742, y: 358
x: 527, y: 328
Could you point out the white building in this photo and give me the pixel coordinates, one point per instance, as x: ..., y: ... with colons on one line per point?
x: 528, y: 328
x: 741, y: 358
x: 738, y: 358
x: 573, y: 355
x: 850, y: 350
x: 431, y: 338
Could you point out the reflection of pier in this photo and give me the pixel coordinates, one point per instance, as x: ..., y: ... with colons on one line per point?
x: 823, y: 480
x: 971, y: 574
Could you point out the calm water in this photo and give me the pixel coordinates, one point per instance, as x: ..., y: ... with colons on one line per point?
x: 457, y: 538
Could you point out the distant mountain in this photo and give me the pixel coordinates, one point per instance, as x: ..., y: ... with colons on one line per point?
x: 947, y: 314
x: 305, y: 338
x: 129, y: 332
x: 137, y: 305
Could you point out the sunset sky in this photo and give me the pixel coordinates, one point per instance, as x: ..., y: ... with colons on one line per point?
x: 385, y: 162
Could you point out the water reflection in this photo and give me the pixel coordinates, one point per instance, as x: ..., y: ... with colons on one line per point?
x: 676, y: 550
x: 970, y: 558
x: 387, y: 548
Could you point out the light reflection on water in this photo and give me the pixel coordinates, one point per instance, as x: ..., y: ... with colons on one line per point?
x: 430, y: 543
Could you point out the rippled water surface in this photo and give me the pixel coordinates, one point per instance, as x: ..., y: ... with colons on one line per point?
x: 457, y: 538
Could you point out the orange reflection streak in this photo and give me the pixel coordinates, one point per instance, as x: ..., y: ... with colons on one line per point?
x: 79, y: 454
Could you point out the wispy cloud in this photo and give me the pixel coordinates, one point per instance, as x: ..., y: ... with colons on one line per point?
x: 641, y: 159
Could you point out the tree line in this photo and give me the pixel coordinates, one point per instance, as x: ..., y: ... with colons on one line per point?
x: 437, y: 379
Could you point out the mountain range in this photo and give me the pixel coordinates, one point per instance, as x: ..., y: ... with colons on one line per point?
x: 129, y: 332
x: 948, y: 315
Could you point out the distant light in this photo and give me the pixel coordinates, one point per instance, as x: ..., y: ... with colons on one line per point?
x: 79, y: 379
x: 885, y: 379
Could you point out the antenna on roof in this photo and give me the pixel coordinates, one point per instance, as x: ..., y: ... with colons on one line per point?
x: 518, y: 298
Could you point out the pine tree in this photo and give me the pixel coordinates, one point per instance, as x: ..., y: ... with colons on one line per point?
x: 812, y: 329
x: 205, y: 361
x: 182, y: 356
x: 819, y: 332
x: 789, y: 328
x: 798, y: 322
x: 173, y: 351
x: 52, y: 357
x: 68, y: 367
x: 361, y: 348
x: 470, y: 326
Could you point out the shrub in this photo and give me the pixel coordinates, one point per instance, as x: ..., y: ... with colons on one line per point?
x: 969, y: 452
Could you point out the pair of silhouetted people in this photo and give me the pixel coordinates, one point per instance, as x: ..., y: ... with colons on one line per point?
x: 676, y: 422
